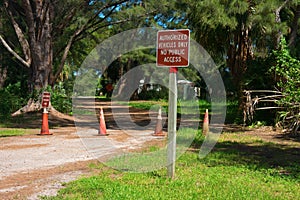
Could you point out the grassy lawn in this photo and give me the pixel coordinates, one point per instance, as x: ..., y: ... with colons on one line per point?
x: 14, y: 132
x: 146, y: 105
x: 241, y: 166
x: 183, y: 106
x: 191, y: 107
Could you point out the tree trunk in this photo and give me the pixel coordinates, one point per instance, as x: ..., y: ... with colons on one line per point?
x: 3, y: 74
x: 38, y: 20
x: 279, y: 34
x: 3, y: 70
x: 294, y: 27
x: 129, y: 82
x: 40, y: 72
x: 41, y: 48
x: 41, y: 67
x: 238, y: 54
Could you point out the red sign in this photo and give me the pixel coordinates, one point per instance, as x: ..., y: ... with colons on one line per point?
x: 45, y: 99
x: 172, y: 48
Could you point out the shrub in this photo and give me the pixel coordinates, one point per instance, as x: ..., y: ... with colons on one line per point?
x: 61, y: 99
x: 287, y: 69
x: 11, y: 99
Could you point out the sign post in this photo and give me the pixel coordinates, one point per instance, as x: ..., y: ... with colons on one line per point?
x: 172, y: 50
x: 172, y: 121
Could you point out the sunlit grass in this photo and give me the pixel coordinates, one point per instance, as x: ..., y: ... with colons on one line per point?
x: 147, y: 105
x: 154, y: 157
x: 14, y: 132
x: 240, y: 166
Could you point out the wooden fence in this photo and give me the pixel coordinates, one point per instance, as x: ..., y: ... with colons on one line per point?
x: 259, y: 100
x: 289, y: 118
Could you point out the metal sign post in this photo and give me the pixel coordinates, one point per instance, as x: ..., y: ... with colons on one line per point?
x: 172, y: 50
x: 172, y: 121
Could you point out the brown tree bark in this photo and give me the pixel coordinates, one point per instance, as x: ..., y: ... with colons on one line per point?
x: 3, y: 74
x: 238, y: 54
x: 295, y: 27
x: 38, y: 20
x: 278, y: 20
x: 3, y: 70
x: 36, y: 45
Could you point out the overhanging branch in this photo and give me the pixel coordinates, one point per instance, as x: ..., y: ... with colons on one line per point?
x: 21, y: 37
x: 27, y: 64
x: 79, y: 32
x: 91, y: 26
x: 121, y: 21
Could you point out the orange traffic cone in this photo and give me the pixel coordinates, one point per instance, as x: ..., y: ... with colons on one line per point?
x: 45, y: 125
x: 158, y: 129
x: 205, y: 128
x: 102, y: 126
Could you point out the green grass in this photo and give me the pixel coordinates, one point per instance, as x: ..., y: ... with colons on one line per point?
x: 153, y: 157
x: 189, y: 107
x: 12, y: 132
x: 83, y: 111
x: 183, y: 107
x: 147, y: 105
x: 239, y: 167
x: 193, y: 108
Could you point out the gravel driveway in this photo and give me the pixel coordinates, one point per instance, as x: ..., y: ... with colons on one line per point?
x: 34, y: 165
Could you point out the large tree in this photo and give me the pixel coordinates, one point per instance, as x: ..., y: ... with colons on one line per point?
x: 47, y: 29
x: 240, y: 30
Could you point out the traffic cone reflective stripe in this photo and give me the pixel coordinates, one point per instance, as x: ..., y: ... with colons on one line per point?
x: 102, y: 126
x: 45, y: 124
x: 205, y: 128
x: 158, y: 129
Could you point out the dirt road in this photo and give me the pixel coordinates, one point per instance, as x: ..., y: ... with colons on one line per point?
x: 33, y: 165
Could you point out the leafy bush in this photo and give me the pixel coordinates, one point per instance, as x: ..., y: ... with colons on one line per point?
x: 11, y: 99
x: 154, y: 94
x: 287, y: 69
x: 61, y: 99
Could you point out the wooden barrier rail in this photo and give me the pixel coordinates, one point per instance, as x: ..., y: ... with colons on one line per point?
x: 259, y: 100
